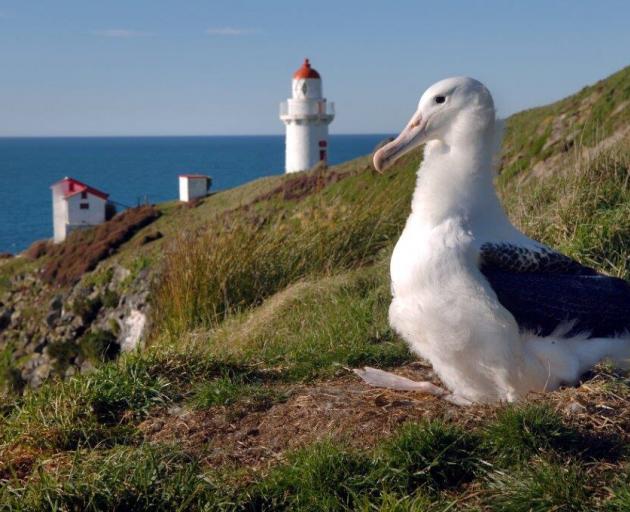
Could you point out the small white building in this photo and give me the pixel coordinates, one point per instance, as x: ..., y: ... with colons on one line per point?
x: 76, y: 205
x: 306, y: 115
x: 193, y: 186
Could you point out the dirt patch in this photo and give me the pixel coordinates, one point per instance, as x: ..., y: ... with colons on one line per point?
x: 304, y: 184
x: 84, y: 249
x: 37, y: 249
x: 17, y: 462
x: 344, y: 409
x: 348, y: 410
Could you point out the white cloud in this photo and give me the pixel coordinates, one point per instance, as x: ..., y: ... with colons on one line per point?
x: 121, y: 33
x: 229, y: 31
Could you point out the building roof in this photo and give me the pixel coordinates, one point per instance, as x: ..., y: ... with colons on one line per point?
x: 73, y: 187
x: 306, y: 71
x: 194, y: 176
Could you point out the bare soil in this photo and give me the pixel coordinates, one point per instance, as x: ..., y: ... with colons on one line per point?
x: 347, y: 410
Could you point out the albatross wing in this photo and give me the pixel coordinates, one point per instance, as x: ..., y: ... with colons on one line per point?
x: 544, y: 289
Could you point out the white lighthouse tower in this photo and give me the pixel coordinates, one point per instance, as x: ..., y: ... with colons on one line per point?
x: 307, y: 115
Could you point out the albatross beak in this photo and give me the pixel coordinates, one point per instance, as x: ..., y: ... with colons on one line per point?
x: 411, y: 137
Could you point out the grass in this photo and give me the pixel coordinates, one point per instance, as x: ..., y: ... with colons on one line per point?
x: 67, y: 262
x: 124, y: 478
x: 584, y: 212
x: 583, y: 119
x: 229, y: 268
x: 519, y: 433
x: 541, y: 487
x: 314, y: 328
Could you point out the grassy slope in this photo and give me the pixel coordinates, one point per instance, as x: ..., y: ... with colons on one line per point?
x: 247, y: 361
x: 583, y: 119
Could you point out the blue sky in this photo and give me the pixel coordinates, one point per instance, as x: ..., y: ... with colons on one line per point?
x: 132, y: 67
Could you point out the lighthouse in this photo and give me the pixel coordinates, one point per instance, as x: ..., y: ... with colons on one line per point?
x: 306, y: 115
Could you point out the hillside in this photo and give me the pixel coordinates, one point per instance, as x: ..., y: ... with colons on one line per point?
x: 198, y: 360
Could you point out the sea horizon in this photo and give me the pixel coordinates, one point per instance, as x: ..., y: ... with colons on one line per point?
x: 134, y: 169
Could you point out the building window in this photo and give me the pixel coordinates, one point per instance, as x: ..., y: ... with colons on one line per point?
x: 322, y: 155
x: 84, y: 195
x: 84, y: 206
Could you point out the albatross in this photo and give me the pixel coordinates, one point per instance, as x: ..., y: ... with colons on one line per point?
x: 497, y: 314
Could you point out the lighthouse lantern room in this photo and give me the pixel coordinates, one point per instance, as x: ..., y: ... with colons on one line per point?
x: 306, y: 115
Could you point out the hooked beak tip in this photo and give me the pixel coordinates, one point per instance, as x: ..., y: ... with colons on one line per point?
x: 378, y: 162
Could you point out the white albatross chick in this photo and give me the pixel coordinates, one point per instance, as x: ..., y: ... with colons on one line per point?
x: 496, y: 314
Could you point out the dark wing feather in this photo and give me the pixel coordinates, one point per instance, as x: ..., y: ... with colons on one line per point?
x: 544, y: 289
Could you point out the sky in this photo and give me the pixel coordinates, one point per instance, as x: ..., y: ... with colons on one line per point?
x: 206, y: 67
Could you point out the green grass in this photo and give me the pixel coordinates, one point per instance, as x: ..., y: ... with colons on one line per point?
x: 584, y: 213
x: 314, y: 328
x: 124, y: 478
x: 228, y: 390
x: 589, y: 116
x: 522, y: 432
x: 423, y: 466
x: 541, y: 487
x: 431, y: 456
x: 229, y: 268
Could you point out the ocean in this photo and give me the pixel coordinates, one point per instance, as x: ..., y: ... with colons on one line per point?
x: 133, y: 170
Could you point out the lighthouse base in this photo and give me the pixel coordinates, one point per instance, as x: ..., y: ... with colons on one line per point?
x: 306, y: 145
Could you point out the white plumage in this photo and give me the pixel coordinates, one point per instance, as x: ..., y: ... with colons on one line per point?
x: 443, y: 305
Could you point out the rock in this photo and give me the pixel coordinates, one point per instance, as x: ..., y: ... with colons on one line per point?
x: 574, y: 407
x: 16, y: 316
x: 40, y: 374
x: 56, y: 303
x: 132, y: 330
x: 52, y: 317
x: 86, y: 367
x: 156, y: 426
x: 5, y: 318
x: 120, y: 274
x: 36, y: 346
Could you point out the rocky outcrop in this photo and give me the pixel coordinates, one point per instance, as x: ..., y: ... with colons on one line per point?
x: 53, y: 332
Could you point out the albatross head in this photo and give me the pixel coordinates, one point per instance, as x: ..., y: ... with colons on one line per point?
x: 453, y: 111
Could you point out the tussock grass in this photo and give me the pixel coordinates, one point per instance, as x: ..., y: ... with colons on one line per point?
x: 124, y: 478
x: 522, y: 432
x: 230, y: 268
x: 540, y: 487
x: 322, y: 477
x: 583, y: 119
x: 424, y: 466
x: 85, y: 411
x: 584, y: 211
x: 431, y: 456
x: 314, y: 328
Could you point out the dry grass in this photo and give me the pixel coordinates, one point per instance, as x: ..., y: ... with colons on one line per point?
x: 229, y: 268
x: 68, y: 261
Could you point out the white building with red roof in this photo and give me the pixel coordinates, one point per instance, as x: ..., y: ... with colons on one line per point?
x: 76, y: 205
x: 306, y: 115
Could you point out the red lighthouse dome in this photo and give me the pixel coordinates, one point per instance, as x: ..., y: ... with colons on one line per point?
x: 306, y: 71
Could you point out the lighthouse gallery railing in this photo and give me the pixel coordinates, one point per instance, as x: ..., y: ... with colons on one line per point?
x: 298, y: 108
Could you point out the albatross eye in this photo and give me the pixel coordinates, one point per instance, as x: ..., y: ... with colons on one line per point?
x: 440, y: 99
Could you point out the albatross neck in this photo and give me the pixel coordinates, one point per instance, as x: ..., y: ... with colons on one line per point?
x: 456, y: 181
